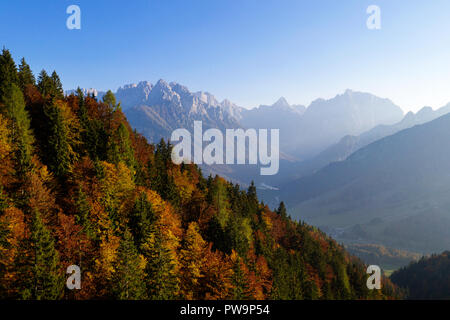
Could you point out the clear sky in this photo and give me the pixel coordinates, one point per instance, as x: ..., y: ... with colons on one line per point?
x: 249, y: 51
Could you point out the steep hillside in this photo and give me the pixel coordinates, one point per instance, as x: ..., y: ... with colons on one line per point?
x: 428, y: 278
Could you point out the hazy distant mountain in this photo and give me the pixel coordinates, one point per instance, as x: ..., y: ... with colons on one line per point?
x: 394, y: 191
x: 280, y: 116
x: 349, y: 144
x: 305, y: 132
x: 325, y: 122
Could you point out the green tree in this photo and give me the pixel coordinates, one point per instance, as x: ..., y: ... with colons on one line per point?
x: 110, y: 99
x: 22, y: 137
x: 40, y: 275
x: 50, y: 86
x: 45, y: 84
x: 240, y: 284
x: 282, y: 210
x: 58, y: 153
x: 141, y: 219
x: 161, y: 278
x: 57, y: 86
x: 120, y: 148
x: 8, y: 73
x: 128, y: 279
x: 25, y: 75
x: 83, y: 212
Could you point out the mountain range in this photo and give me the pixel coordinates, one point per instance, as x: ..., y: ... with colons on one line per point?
x: 157, y: 110
x: 393, y: 191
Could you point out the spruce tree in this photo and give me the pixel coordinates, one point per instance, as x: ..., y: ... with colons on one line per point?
x: 50, y: 86
x: 58, y: 151
x: 57, y: 86
x: 8, y: 73
x: 40, y: 275
x: 161, y: 279
x: 82, y: 215
x: 141, y: 219
x: 25, y: 75
x: 282, y: 210
x: 239, y: 281
x: 128, y: 279
x: 45, y: 84
x: 22, y: 137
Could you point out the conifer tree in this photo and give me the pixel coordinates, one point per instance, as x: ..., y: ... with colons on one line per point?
x: 141, y: 219
x: 57, y: 86
x: 45, y: 84
x: 161, y: 278
x: 240, y: 284
x: 25, y: 75
x: 40, y: 275
x: 128, y: 279
x: 282, y: 210
x: 82, y: 215
x: 22, y: 137
x: 58, y: 153
x: 8, y: 72
x: 252, y: 198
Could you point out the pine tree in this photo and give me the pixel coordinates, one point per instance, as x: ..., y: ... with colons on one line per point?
x: 128, y: 279
x: 282, y: 210
x: 252, y: 198
x: 57, y: 87
x: 83, y: 212
x: 161, y: 278
x: 8, y: 72
x: 240, y: 284
x: 25, y: 75
x: 94, y: 135
x: 58, y: 153
x: 45, y: 84
x: 141, y: 219
x: 40, y: 276
x: 22, y: 137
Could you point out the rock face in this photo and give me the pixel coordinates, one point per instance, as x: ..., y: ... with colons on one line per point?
x: 157, y: 110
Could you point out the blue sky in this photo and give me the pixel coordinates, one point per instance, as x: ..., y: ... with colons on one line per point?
x: 249, y: 51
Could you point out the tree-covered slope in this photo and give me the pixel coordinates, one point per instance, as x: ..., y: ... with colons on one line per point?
x: 428, y: 278
x: 79, y: 187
